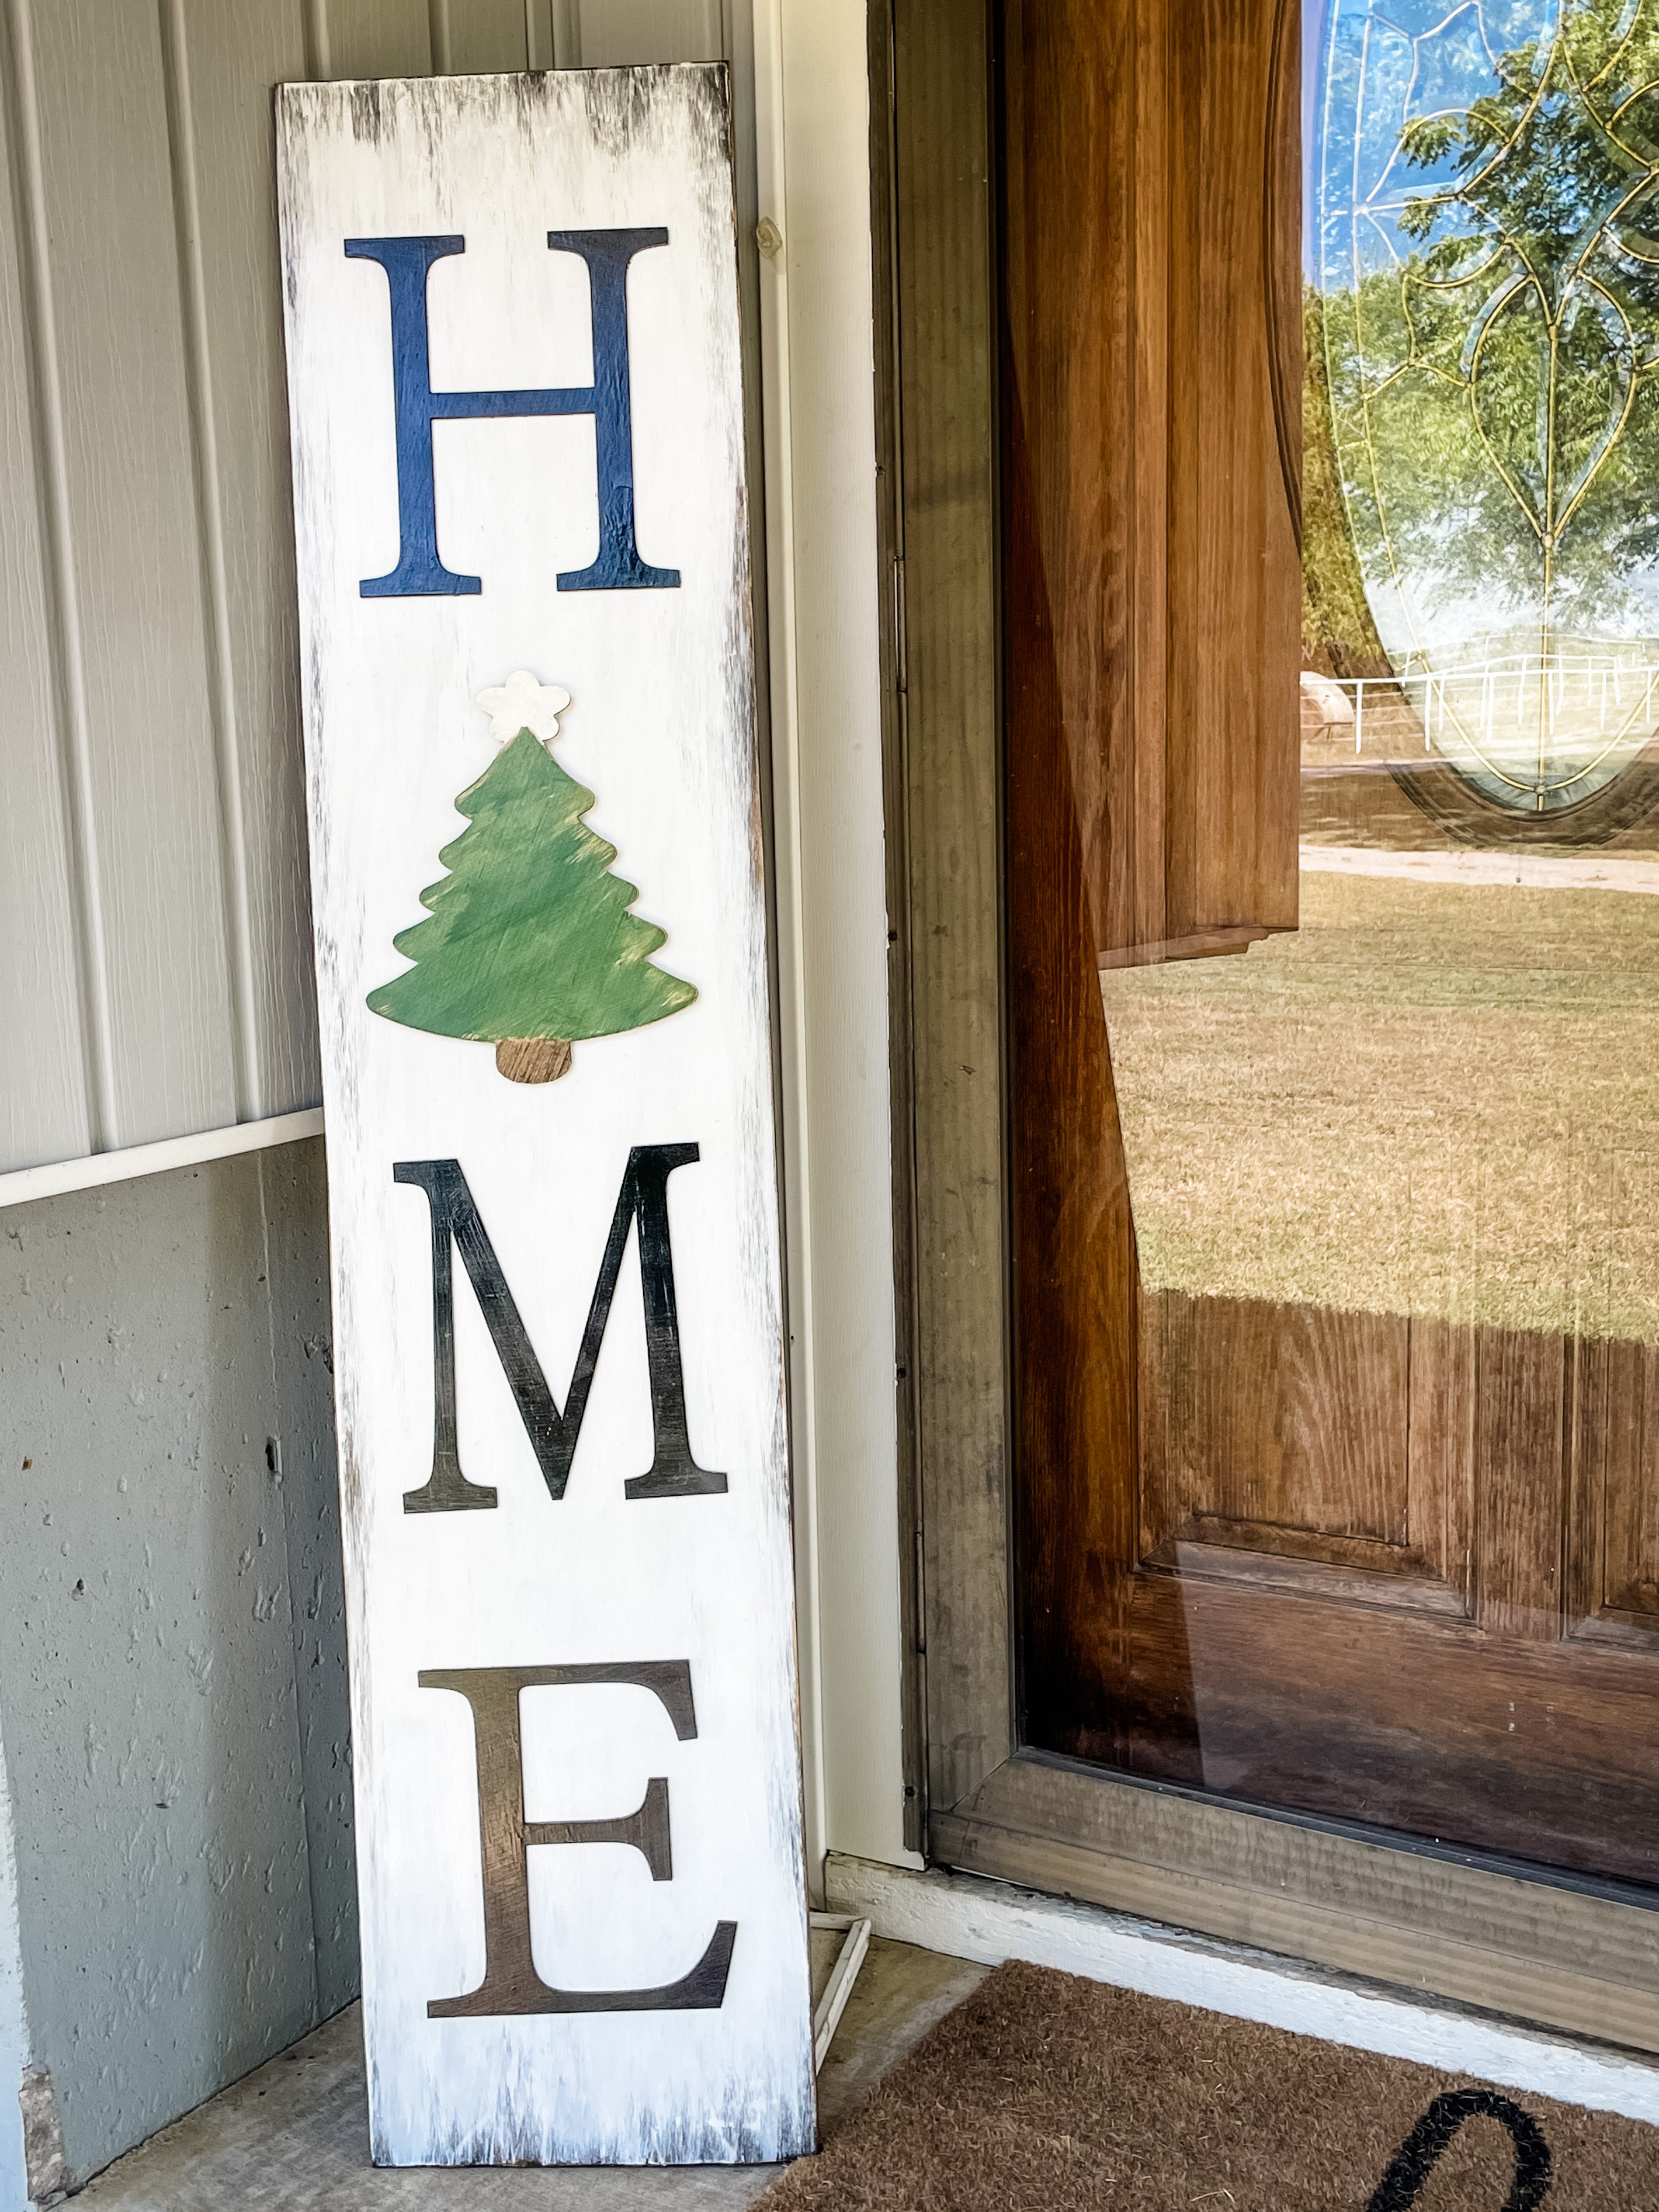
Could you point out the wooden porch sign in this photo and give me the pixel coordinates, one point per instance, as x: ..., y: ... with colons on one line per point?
x: 512, y: 320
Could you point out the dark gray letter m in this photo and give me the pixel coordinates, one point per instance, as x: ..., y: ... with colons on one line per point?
x: 457, y: 1226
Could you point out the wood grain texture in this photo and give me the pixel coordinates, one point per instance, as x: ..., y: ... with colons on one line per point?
x: 1473, y: 1933
x: 1629, y: 1574
x: 1388, y: 1566
x: 1285, y: 1415
x: 1150, y: 597
x: 1234, y: 617
x: 1385, y: 1567
x: 1389, y: 1715
x: 1588, y: 1963
x: 948, y: 415
x: 1612, y: 1564
x: 662, y: 727
x: 1522, y: 1409
x: 1147, y: 374
x: 1075, y: 1315
x: 900, y: 863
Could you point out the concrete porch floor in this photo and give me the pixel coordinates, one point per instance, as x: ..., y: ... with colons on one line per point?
x: 296, y: 2133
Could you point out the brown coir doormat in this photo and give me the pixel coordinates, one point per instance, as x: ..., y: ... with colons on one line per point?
x: 1042, y: 2093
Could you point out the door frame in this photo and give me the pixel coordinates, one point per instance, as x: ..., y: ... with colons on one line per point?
x: 1565, y: 1951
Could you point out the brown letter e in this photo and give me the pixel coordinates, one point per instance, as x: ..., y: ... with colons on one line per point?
x: 511, y: 1984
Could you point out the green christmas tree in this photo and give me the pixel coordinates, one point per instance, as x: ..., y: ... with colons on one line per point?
x: 529, y: 944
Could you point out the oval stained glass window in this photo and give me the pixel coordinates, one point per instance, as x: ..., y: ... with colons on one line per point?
x: 1484, y: 249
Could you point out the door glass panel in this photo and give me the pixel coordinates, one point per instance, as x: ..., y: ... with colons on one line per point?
x: 1386, y: 1545
x: 1482, y: 322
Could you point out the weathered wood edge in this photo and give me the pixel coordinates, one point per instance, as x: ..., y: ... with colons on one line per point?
x: 895, y: 814
x: 945, y: 376
x: 1535, y: 1950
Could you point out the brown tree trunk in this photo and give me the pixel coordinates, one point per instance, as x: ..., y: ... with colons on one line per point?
x: 533, y: 1059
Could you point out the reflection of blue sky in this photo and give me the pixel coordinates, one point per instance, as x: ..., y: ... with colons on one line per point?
x: 1379, y: 64
x: 1371, y: 68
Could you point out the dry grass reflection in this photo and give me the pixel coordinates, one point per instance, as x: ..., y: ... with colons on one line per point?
x: 1436, y: 1098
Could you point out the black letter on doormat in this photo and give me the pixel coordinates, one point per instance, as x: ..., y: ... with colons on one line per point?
x: 553, y: 1434
x: 1418, y: 2155
x: 511, y: 1984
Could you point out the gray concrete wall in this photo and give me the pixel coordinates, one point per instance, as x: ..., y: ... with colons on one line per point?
x: 172, y: 1699
x: 14, y: 2035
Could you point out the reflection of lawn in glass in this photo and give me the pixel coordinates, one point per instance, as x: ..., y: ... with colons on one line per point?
x: 1432, y: 1099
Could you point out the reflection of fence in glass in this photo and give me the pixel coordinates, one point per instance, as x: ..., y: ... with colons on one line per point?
x: 1484, y: 316
x: 1545, y: 723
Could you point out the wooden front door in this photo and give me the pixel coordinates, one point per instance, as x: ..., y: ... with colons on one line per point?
x: 1333, y: 945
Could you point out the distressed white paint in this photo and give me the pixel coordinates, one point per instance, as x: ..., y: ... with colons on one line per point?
x: 968, y: 1919
x: 661, y: 728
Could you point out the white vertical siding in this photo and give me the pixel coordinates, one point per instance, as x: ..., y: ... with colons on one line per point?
x: 154, y: 929
x: 45, y: 1083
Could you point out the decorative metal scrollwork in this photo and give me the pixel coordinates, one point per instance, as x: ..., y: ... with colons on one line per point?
x: 1485, y: 290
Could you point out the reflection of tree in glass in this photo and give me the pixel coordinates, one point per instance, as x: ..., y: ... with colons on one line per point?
x: 1498, y: 381
x: 1339, y: 637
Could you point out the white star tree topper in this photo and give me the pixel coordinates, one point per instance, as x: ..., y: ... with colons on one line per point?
x: 524, y: 704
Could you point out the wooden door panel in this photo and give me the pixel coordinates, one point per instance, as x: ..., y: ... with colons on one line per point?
x: 1391, y: 1570
x: 1394, y: 1558
x: 1124, y: 842
x: 1430, y: 1726
x: 1290, y: 1417
x: 1231, y: 807
x: 1440, y: 1411
x: 1630, y: 1573
x: 1613, y: 1574
x: 1305, y: 1449
x: 1140, y: 363
x: 1521, y: 1411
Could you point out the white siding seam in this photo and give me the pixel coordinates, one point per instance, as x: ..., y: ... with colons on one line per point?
x: 566, y: 33
x: 215, y: 591
x: 538, y: 19
x: 24, y: 1185
x: 75, y: 741
x: 316, y: 35
x: 438, y: 38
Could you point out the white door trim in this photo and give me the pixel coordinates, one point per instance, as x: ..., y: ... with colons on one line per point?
x: 966, y: 1918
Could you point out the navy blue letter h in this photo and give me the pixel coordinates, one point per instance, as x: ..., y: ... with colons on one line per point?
x: 408, y: 262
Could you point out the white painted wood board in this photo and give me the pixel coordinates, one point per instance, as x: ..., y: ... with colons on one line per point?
x: 661, y: 728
